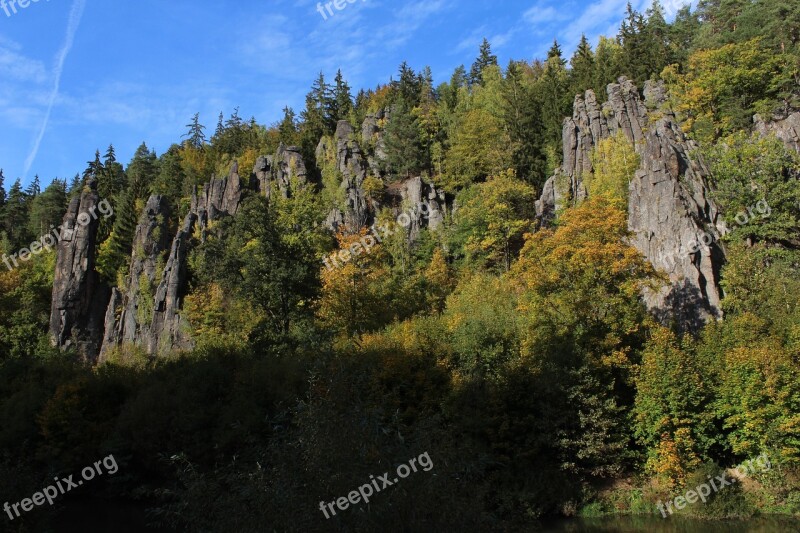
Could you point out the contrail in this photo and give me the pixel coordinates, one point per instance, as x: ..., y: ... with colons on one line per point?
x: 75, y: 14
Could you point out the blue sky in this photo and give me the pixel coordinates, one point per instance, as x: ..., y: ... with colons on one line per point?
x: 77, y: 75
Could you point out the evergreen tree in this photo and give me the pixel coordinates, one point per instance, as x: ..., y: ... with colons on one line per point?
x: 408, y: 87
x: 405, y: 153
x: 111, y: 178
x: 94, y: 169
x: 196, y: 135
x: 2, y: 192
x: 34, y: 189
x: 317, y: 120
x: 553, y: 93
x: 522, y: 116
x: 220, y: 126
x: 485, y: 58
x: 342, y: 99
x: 287, y: 129
x: 582, y: 63
x: 48, y: 209
x: 75, y: 186
x: 15, y: 216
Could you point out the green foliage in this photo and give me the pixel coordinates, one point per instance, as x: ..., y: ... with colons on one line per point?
x: 614, y: 161
x: 757, y: 186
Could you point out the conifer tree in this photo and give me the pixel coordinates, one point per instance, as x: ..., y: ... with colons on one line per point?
x: 2, y: 193
x: 196, y: 135
x: 342, y: 99
x: 582, y: 63
x: 485, y: 58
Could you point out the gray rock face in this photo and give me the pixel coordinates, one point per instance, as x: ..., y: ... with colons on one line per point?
x: 76, y: 317
x: 275, y: 173
x: 669, y: 207
x: 350, y: 162
x: 169, y: 329
x: 787, y: 130
x: 420, y: 201
x: 132, y: 309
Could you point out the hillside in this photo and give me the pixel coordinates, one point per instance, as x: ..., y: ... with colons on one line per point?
x: 570, y: 286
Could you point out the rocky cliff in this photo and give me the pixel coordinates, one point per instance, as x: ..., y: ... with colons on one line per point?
x: 77, y: 310
x: 669, y: 208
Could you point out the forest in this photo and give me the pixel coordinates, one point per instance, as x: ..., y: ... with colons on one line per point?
x: 514, y: 348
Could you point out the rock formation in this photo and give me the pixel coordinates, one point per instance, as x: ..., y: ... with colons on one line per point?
x: 147, y: 311
x: 669, y: 208
x: 422, y: 202
x: 787, y: 129
x: 77, y: 310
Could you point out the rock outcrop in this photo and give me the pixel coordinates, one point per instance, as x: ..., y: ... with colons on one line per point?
x: 77, y: 310
x: 787, y: 129
x: 670, y: 211
x: 425, y: 205
x: 147, y: 311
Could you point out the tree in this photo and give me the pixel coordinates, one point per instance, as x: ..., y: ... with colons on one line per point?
x: 196, y: 135
x: 287, y: 129
x: 582, y: 324
x: 408, y: 88
x: 553, y: 93
x: 48, y: 209
x: 342, y: 99
x: 110, y: 184
x: 2, y: 192
x: 672, y: 408
x: 522, y: 117
x: 493, y: 219
x: 354, y: 294
x: 220, y: 126
x: 485, y: 58
x: 34, y: 189
x: 94, y: 169
x: 316, y: 119
x: 614, y: 162
x: 722, y: 88
x: 582, y: 74
x: 405, y: 153
x: 15, y: 216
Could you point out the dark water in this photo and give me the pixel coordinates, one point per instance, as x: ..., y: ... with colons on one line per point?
x: 631, y: 524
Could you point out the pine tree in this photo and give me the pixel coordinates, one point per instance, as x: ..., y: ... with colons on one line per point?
x: 405, y: 153
x: 522, y: 115
x: 316, y: 118
x: 485, y: 58
x: 2, y: 192
x: 111, y: 178
x: 15, y: 216
x: 34, y: 189
x: 553, y: 93
x: 582, y: 63
x: 196, y: 135
x: 95, y: 168
x: 48, y: 209
x: 220, y: 126
x: 342, y: 99
x: 287, y: 129
x: 75, y: 186
x: 407, y: 88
